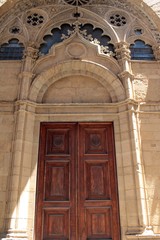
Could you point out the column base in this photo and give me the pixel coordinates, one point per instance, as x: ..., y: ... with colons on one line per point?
x: 147, y: 234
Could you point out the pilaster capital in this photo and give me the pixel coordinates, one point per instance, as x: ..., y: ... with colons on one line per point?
x: 32, y: 50
x: 122, y: 51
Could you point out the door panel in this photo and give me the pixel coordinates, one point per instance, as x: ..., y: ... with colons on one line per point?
x: 57, y: 183
x: 99, y: 223
x: 96, y: 179
x: 77, y: 187
x: 97, y: 182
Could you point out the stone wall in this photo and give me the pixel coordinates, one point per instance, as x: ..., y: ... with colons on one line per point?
x: 147, y: 85
x: 137, y: 138
x: 150, y: 137
x: 146, y: 81
x: 8, y: 94
x: 6, y: 138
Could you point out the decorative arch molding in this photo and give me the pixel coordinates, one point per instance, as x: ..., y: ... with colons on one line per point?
x: 76, y: 67
x: 86, y: 16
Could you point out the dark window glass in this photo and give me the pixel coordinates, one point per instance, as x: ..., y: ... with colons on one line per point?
x: 13, y: 50
x: 88, y: 31
x: 56, y: 37
x: 141, y: 51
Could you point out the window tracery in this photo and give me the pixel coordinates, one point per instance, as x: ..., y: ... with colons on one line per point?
x: 76, y: 2
x: 35, y: 19
x: 87, y: 31
x: 117, y: 20
x: 141, y: 51
x: 15, y: 30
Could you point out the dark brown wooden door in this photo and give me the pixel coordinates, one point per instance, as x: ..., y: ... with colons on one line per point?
x: 77, y: 187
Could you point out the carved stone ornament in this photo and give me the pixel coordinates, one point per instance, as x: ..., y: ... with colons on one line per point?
x: 76, y: 50
x: 89, y: 37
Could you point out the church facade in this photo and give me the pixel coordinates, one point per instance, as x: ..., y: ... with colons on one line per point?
x: 79, y: 120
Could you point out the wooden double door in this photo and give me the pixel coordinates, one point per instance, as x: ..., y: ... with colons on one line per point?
x: 77, y: 187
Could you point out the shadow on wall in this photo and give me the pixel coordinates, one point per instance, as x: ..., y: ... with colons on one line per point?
x: 155, y: 206
x: 22, y: 183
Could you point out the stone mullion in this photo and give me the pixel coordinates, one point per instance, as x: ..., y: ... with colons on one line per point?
x: 123, y: 56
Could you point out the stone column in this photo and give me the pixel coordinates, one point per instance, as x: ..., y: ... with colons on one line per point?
x: 126, y: 76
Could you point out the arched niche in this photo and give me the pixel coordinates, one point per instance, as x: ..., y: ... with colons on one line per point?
x: 76, y: 89
x: 84, y: 70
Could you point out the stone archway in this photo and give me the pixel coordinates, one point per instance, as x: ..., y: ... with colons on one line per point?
x: 79, y: 68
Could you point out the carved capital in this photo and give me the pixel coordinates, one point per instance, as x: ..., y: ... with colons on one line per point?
x: 156, y: 50
x: 32, y: 50
x: 31, y: 53
x: 122, y: 51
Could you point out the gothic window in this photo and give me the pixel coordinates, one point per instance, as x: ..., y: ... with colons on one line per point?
x: 13, y: 50
x: 94, y: 35
x: 56, y: 37
x: 141, y: 51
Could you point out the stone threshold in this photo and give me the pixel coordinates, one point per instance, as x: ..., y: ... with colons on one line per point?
x: 143, y: 236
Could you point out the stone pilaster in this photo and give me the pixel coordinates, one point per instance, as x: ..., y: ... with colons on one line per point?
x: 30, y: 56
x: 126, y: 76
x: 17, y: 215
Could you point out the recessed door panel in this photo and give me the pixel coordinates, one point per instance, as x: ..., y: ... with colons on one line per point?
x: 57, y: 185
x: 56, y: 224
x: 99, y: 223
x: 97, y: 183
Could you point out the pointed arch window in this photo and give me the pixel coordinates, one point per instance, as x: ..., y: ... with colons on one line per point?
x: 141, y: 51
x: 13, y: 50
x: 87, y: 31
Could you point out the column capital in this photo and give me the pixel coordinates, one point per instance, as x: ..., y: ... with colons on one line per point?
x: 122, y: 51
x: 31, y: 50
